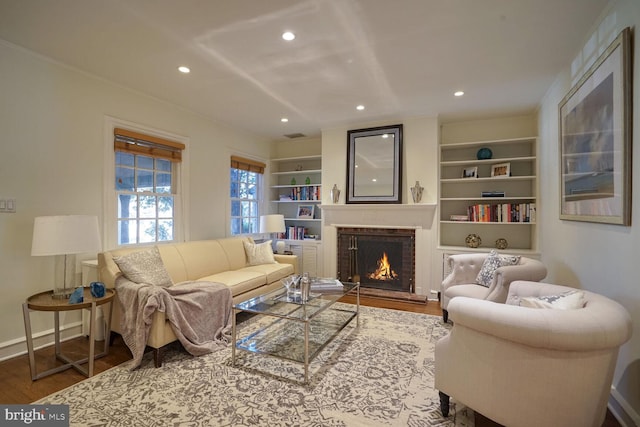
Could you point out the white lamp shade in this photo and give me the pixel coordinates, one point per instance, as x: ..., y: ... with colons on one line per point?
x: 272, y: 223
x: 65, y: 234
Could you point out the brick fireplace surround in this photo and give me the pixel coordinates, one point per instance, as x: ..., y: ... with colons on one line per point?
x: 377, y: 220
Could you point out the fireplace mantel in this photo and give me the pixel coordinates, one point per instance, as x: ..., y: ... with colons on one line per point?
x: 418, y: 215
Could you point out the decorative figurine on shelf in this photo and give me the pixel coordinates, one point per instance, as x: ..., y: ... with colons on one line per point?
x: 416, y: 192
x: 502, y: 243
x: 307, y: 181
x: 484, y: 153
x: 293, y: 181
x: 473, y: 241
x: 335, y: 194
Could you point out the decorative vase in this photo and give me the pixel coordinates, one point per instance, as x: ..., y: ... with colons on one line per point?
x: 335, y: 194
x: 416, y: 192
x: 484, y: 153
x: 307, y: 181
x: 473, y: 241
x: 502, y: 243
x: 293, y: 181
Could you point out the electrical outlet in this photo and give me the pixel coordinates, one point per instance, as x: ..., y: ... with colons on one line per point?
x: 8, y: 205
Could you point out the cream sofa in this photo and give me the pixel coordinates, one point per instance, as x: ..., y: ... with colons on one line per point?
x: 222, y: 260
x: 530, y: 367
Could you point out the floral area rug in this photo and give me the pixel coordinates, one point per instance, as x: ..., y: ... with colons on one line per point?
x: 377, y: 374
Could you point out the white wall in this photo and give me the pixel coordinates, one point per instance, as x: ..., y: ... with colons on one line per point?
x: 420, y: 163
x: 51, y: 162
x: 597, y: 257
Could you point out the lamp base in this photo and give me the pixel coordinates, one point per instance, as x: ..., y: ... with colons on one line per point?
x: 280, y: 246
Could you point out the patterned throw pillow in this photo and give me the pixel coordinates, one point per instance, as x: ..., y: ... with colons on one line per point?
x: 565, y: 301
x: 144, y: 267
x: 260, y: 253
x: 491, y: 264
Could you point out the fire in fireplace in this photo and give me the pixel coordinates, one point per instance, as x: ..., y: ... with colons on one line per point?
x: 383, y: 270
x: 380, y: 258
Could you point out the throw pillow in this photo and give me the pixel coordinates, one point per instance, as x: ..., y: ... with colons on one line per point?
x: 260, y: 253
x: 491, y: 264
x: 144, y: 267
x: 565, y: 301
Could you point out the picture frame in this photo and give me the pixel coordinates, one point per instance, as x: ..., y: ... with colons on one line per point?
x: 470, y: 172
x: 501, y: 170
x: 595, y: 140
x: 374, y: 165
x: 305, y: 211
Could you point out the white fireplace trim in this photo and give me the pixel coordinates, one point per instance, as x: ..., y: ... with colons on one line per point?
x: 380, y: 215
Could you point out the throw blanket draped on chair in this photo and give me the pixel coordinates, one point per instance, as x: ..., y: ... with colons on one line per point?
x: 199, y: 314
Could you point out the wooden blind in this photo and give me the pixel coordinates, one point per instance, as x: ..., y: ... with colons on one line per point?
x: 139, y: 143
x: 247, y: 164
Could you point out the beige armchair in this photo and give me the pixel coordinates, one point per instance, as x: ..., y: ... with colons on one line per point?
x: 523, y: 366
x: 464, y: 269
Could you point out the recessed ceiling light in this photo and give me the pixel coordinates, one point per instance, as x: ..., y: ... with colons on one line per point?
x: 284, y: 120
x: 374, y: 180
x: 458, y: 93
x: 360, y: 107
x: 288, y: 36
x: 184, y: 69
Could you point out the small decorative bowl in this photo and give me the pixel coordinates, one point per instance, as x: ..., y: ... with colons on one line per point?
x: 473, y: 241
x: 484, y: 153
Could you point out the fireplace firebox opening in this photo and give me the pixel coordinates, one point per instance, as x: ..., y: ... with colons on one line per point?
x: 379, y: 258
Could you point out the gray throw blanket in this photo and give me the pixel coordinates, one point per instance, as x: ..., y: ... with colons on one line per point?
x: 199, y: 313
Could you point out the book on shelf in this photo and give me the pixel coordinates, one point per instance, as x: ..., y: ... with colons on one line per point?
x: 493, y: 194
x: 502, y: 212
x: 306, y: 192
x: 459, y: 218
x: 296, y: 232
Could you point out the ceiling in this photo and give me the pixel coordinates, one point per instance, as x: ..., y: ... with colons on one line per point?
x: 400, y: 58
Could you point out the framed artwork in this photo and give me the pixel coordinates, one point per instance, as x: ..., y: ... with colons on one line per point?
x: 501, y: 169
x: 374, y: 165
x: 470, y: 172
x: 595, y: 140
x: 305, y: 211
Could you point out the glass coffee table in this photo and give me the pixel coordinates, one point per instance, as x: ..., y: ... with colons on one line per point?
x: 298, y: 331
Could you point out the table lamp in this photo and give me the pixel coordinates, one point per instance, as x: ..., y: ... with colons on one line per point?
x: 64, y: 236
x: 273, y: 224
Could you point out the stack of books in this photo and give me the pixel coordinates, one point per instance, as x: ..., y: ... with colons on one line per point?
x: 319, y: 284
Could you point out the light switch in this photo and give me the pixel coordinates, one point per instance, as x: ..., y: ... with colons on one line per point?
x: 3, y: 205
x: 11, y: 205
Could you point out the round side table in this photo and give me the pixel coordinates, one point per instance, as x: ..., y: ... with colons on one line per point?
x: 44, y: 301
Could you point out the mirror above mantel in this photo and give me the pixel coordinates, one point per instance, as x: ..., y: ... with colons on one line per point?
x: 374, y: 165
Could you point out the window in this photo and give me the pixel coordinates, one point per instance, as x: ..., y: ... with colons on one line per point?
x: 246, y: 188
x: 145, y: 184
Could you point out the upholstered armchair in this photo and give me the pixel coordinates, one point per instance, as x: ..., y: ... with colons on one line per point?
x: 464, y: 269
x: 522, y: 366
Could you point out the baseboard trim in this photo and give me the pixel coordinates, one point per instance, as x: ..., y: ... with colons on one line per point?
x: 18, y: 347
x: 622, y: 410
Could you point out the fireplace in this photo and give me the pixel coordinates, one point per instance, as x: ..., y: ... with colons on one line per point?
x: 380, y: 258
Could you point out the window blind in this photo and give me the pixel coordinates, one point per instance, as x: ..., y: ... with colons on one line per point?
x: 247, y: 164
x: 139, y: 143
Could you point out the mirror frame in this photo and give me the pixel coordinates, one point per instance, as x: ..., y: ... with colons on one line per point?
x: 352, y: 136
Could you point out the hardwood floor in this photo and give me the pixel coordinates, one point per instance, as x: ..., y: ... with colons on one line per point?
x: 18, y: 388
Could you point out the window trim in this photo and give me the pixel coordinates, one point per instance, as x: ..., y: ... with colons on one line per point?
x: 110, y: 203
x: 251, y: 164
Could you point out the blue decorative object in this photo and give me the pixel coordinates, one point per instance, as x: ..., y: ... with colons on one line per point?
x: 484, y: 153
x: 77, y: 296
x: 97, y: 289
